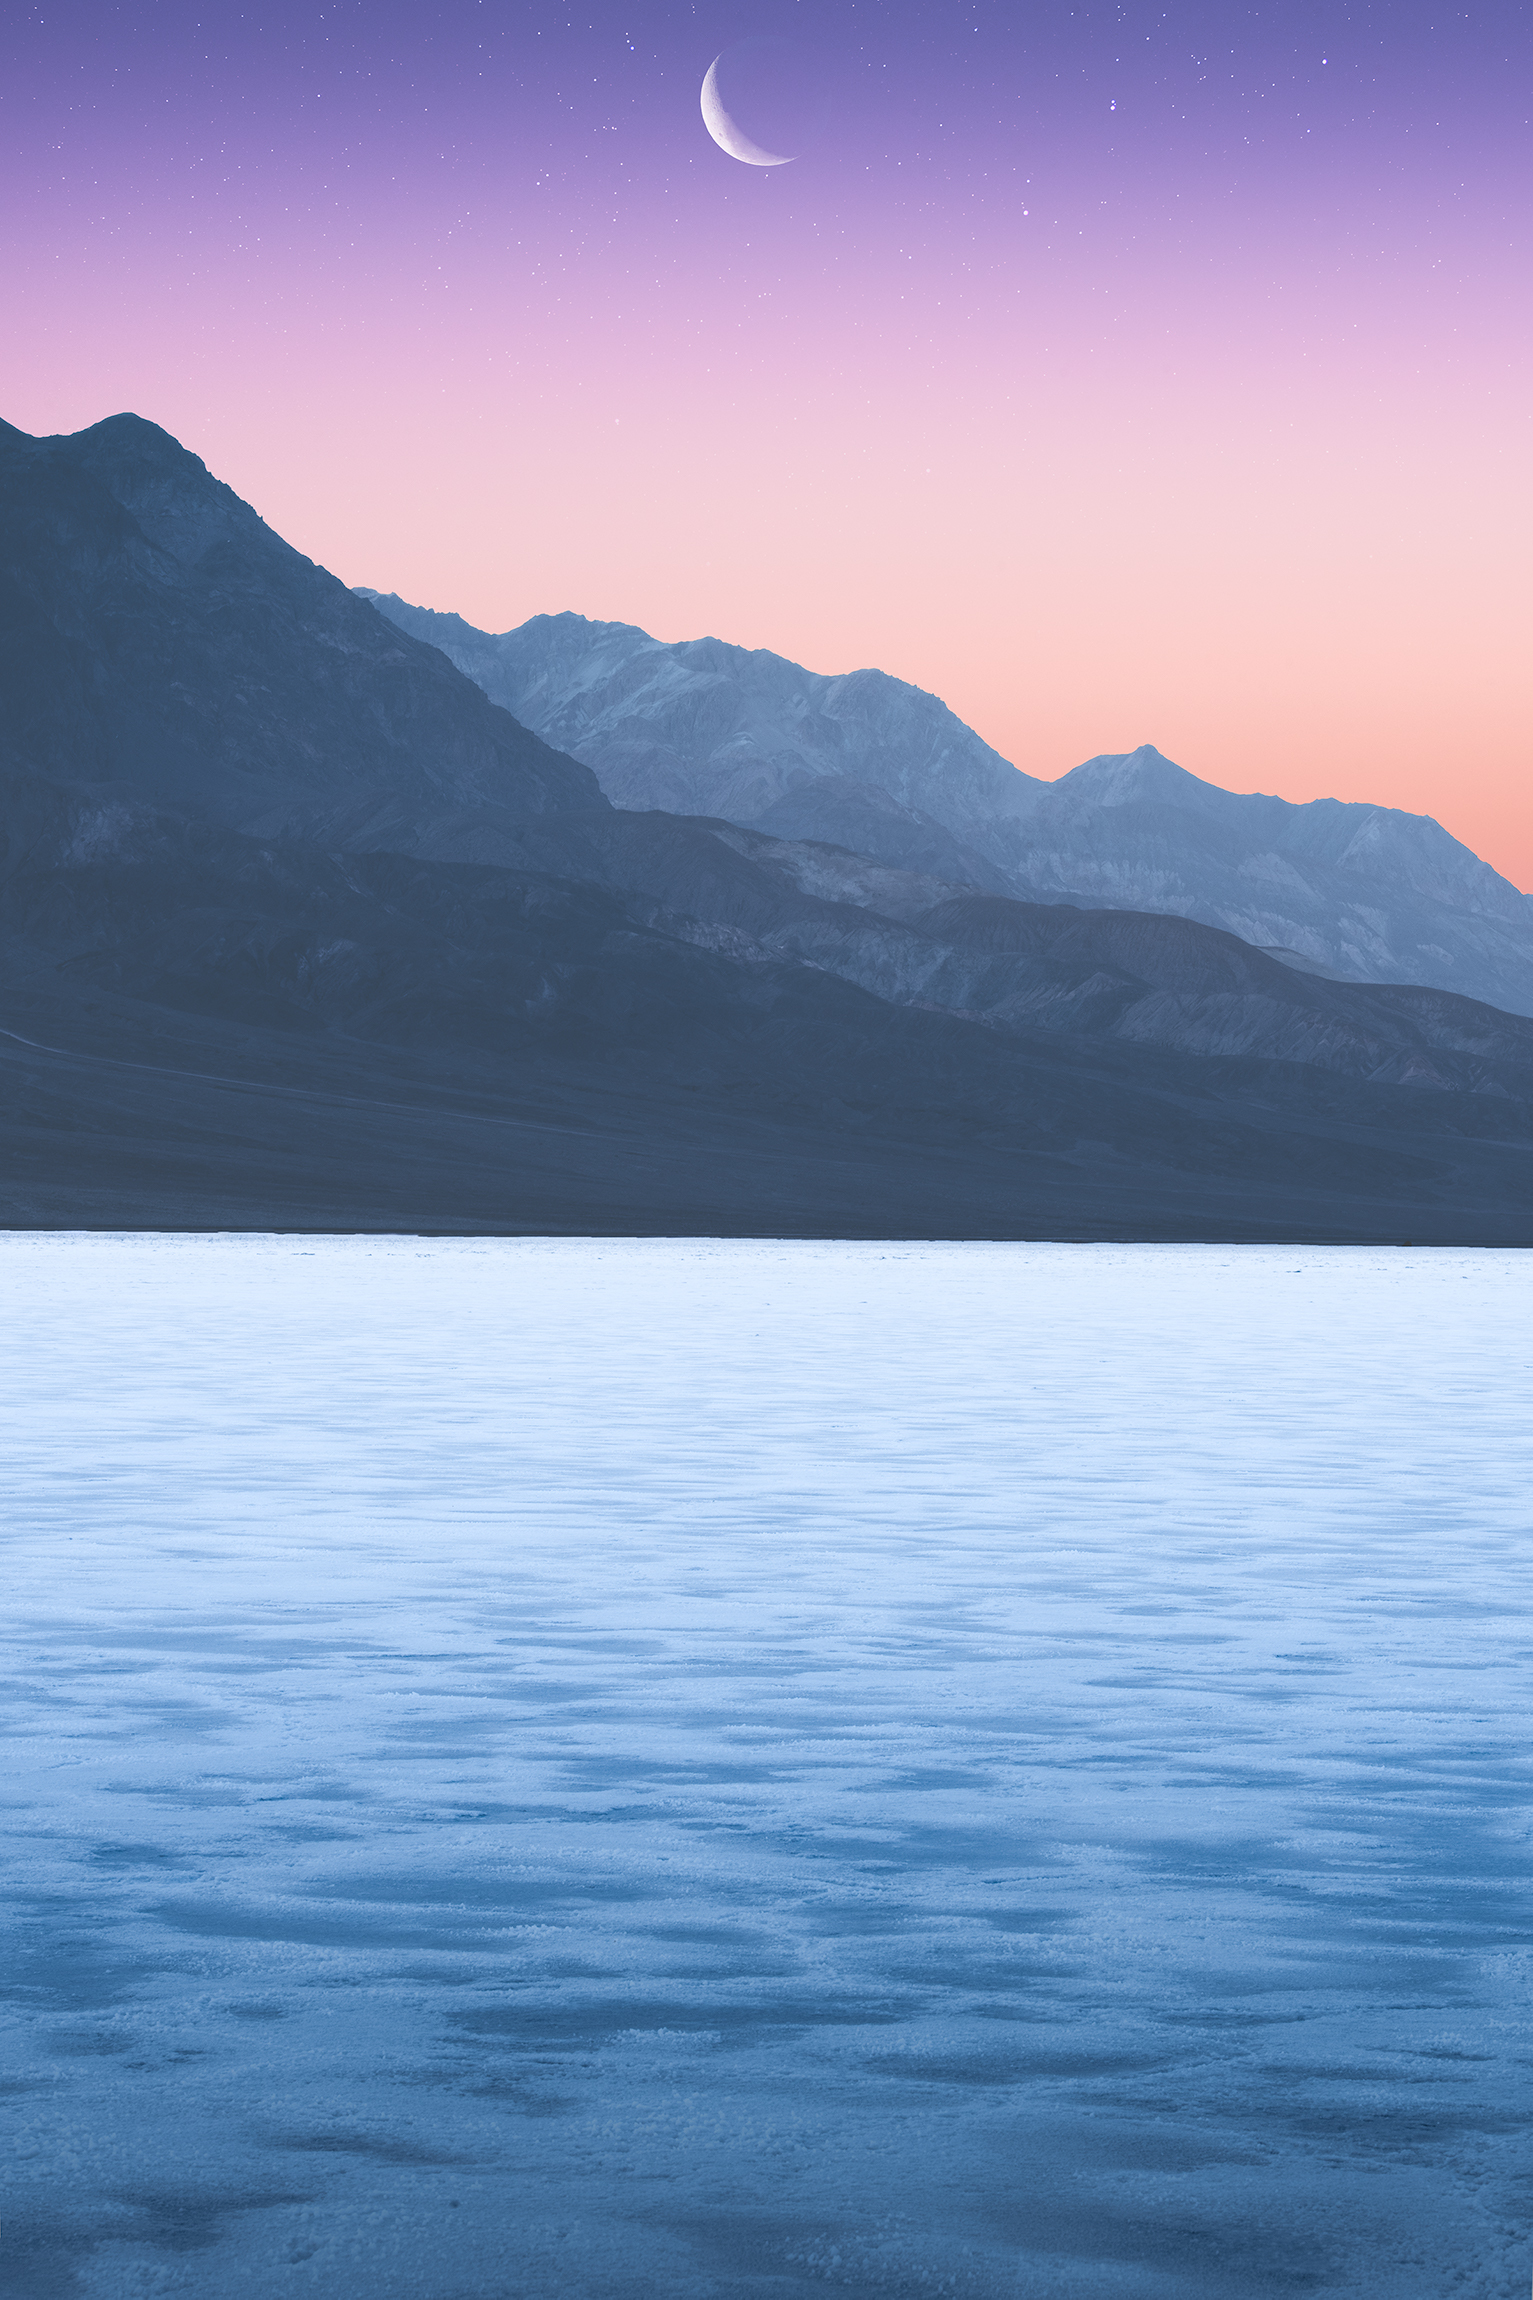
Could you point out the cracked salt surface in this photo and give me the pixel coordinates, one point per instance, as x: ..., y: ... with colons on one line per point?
x: 599, y: 1768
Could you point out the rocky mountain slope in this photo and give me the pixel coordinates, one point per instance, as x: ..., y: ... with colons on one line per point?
x: 869, y: 763
x: 1371, y: 893
x: 158, y: 641
x: 919, y: 942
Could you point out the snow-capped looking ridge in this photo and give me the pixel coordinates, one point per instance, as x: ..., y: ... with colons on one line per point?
x: 868, y: 762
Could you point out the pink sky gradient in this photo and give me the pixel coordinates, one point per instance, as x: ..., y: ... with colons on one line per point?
x: 1140, y: 436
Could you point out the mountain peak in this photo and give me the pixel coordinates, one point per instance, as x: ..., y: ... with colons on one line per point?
x: 167, y: 489
x: 1118, y: 778
x: 118, y: 435
x: 134, y: 434
x: 215, y: 669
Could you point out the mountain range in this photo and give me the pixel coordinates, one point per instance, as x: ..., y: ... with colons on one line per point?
x: 869, y: 763
x: 299, y: 928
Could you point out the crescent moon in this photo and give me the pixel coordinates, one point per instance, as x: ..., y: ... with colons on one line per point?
x: 726, y: 135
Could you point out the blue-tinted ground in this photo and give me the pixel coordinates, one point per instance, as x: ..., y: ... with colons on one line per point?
x: 611, y: 1769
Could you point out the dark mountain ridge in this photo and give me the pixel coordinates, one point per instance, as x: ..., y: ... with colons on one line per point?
x: 157, y: 637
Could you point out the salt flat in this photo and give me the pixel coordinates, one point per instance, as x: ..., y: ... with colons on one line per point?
x: 605, y: 1768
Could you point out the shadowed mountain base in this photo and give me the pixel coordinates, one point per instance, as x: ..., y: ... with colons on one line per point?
x: 119, y: 1116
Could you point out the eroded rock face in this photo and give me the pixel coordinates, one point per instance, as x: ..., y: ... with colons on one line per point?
x: 871, y: 764
x: 705, y: 728
x: 1368, y: 893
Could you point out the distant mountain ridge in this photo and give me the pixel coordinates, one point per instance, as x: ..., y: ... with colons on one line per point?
x: 705, y: 728
x: 867, y: 762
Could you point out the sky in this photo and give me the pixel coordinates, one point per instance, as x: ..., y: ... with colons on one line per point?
x: 1119, y: 373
